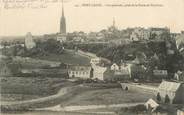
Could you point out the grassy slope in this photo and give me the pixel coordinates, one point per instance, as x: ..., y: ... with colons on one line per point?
x: 69, y: 57
x: 42, y: 86
x: 108, y: 96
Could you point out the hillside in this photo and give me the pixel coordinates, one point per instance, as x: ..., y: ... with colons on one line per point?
x: 67, y: 57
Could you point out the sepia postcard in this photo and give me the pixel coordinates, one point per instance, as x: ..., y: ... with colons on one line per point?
x: 91, y: 57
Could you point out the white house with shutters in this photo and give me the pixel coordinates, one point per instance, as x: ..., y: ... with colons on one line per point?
x: 78, y: 71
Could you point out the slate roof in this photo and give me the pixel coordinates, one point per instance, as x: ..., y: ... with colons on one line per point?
x: 152, y: 103
x: 79, y: 68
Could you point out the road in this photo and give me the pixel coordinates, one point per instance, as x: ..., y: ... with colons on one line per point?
x: 40, y: 102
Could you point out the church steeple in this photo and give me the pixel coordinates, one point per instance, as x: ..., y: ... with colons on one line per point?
x: 63, y: 15
x: 63, y: 21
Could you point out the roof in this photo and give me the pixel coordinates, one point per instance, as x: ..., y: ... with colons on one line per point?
x: 79, y: 68
x: 151, y: 103
x: 115, y: 64
x: 155, y: 56
x: 111, y: 73
x: 169, y: 86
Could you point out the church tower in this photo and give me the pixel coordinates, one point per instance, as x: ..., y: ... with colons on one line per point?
x: 63, y: 21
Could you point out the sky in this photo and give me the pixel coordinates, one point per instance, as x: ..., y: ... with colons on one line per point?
x: 14, y: 22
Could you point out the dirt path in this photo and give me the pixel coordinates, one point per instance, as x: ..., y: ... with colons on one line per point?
x: 62, y: 92
x: 49, y: 101
x: 88, y: 107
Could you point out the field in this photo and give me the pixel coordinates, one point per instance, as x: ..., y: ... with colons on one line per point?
x: 68, y: 57
x: 108, y: 96
x: 15, y: 89
x: 30, y: 86
x: 21, y: 88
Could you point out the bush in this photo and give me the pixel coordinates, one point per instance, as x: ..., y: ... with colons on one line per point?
x: 158, y: 97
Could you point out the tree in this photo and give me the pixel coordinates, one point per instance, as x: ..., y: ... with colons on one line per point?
x: 91, y: 73
x: 126, y: 88
x: 158, y: 97
x: 167, y: 100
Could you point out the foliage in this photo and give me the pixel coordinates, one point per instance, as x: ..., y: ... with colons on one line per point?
x: 167, y: 99
x: 158, y: 97
x: 50, y: 46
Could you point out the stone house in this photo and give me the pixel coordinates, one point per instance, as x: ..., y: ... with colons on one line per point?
x: 95, y: 61
x: 171, y: 92
x: 115, y: 67
x: 110, y: 75
x: 160, y: 74
x: 79, y: 71
x: 140, y: 34
x: 151, y: 104
x: 98, y: 72
x: 61, y: 37
x: 118, y: 72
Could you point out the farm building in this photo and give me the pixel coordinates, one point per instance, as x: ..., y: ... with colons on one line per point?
x: 171, y: 92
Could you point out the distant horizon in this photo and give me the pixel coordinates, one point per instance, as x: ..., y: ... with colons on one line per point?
x: 17, y: 22
x: 22, y: 35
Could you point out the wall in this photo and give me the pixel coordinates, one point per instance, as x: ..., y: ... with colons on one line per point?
x: 79, y: 74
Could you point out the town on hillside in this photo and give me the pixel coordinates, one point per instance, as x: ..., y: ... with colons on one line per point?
x: 132, y: 71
